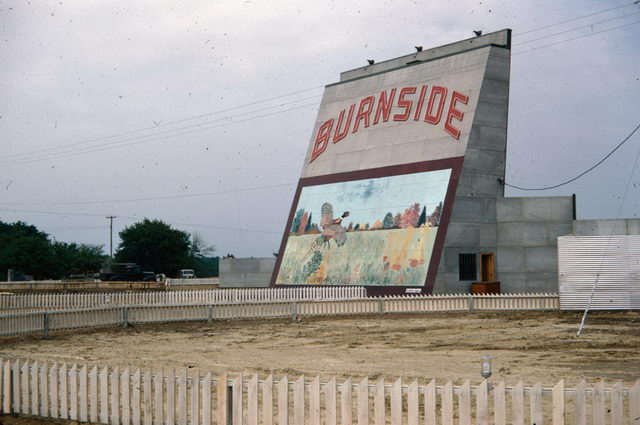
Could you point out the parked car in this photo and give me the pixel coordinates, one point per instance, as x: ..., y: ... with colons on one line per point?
x: 126, y: 272
x: 187, y: 274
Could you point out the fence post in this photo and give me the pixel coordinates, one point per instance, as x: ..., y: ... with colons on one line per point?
x: 210, y: 314
x: 294, y: 311
x: 229, y: 405
x: 125, y: 317
x: 471, y: 305
x: 380, y: 306
x: 45, y: 326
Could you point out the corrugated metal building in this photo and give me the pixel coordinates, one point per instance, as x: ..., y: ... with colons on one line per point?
x: 607, y: 266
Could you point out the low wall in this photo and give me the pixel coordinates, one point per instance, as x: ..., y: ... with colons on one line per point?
x: 58, y: 285
x: 607, y: 227
x: 246, y: 272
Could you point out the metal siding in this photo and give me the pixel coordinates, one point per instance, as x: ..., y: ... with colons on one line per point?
x: 617, y: 261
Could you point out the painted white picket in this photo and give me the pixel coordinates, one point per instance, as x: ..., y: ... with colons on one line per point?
x: 45, y: 321
x: 53, y: 301
x: 106, y: 395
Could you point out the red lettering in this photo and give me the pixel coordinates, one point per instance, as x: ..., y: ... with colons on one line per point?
x: 322, y: 139
x: 428, y: 117
x: 384, y: 106
x: 341, y: 134
x: 423, y: 92
x: 364, y: 110
x: 454, y: 113
x: 406, y: 104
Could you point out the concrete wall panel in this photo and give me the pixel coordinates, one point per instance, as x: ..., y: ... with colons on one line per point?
x: 510, y: 259
x: 489, y: 138
x: 483, y: 161
x: 606, y: 227
x: 528, y: 229
x: 463, y: 234
x: 541, y: 259
x: 246, y: 272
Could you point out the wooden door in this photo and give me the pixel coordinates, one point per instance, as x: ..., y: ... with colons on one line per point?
x: 487, y: 266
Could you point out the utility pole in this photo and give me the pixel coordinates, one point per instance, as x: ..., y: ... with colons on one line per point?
x: 111, y: 217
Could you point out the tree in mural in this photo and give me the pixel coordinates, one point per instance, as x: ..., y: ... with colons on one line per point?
x: 423, y: 217
x: 387, y: 222
x: 309, y: 225
x: 296, y: 220
x: 434, y: 218
x: 396, y: 220
x: 303, y: 222
x: 410, y: 216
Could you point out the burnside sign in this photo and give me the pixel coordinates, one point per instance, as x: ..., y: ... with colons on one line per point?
x: 432, y: 106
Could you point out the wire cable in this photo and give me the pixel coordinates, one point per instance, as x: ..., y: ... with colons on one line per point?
x: 112, y: 145
x: 229, y: 120
x: 127, y: 217
x: 162, y: 125
x: 579, y: 175
x: 575, y: 29
x: 575, y: 38
x: 154, y: 136
x: 154, y: 198
x: 595, y: 284
x: 575, y: 19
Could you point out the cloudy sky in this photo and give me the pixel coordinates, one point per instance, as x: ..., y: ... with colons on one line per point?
x: 199, y: 113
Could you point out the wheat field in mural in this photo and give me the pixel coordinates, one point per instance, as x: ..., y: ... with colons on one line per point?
x: 380, y: 257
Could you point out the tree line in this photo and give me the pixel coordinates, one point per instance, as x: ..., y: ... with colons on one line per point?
x: 152, y: 244
x: 413, y: 216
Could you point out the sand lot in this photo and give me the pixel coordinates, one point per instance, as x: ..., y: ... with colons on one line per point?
x: 532, y: 346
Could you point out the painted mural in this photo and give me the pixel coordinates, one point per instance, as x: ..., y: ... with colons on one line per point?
x: 377, y: 232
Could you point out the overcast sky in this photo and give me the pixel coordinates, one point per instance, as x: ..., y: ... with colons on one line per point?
x: 120, y: 101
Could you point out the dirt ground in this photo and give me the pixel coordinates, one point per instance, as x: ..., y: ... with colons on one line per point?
x: 532, y: 346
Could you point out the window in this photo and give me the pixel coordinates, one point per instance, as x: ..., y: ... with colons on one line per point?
x: 467, y: 265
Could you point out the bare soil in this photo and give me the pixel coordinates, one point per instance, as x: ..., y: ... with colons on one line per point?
x: 528, y: 346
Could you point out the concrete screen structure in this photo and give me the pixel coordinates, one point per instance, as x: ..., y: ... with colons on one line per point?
x: 401, y: 174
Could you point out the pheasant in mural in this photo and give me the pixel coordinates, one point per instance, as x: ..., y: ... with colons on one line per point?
x: 331, y: 229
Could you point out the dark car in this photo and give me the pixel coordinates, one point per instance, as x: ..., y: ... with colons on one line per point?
x: 126, y: 272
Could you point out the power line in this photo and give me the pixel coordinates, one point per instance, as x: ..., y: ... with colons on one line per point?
x: 576, y: 19
x: 581, y: 174
x: 63, y: 214
x: 162, y: 125
x: 197, y: 195
x: 117, y: 145
x: 158, y: 133
x: 575, y: 38
x: 576, y: 28
x: 154, y: 136
x: 280, y: 96
x: 595, y: 284
x: 154, y: 198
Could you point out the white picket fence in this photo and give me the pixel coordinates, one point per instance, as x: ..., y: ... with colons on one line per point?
x: 45, y: 321
x: 192, y: 281
x: 202, y: 296
x: 133, y: 396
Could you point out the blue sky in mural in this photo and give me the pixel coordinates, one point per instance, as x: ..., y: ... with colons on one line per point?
x: 370, y: 199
